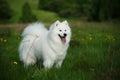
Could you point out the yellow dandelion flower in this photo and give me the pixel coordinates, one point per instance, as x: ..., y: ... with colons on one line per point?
x: 18, y: 38
x: 5, y: 40
x: 15, y: 62
x: 90, y: 38
x: 90, y: 35
x: 110, y: 37
x: 1, y: 39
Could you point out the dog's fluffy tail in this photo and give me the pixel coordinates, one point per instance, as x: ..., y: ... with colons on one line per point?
x: 29, y: 36
x: 26, y: 52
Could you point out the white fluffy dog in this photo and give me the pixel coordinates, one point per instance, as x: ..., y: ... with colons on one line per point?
x: 49, y: 45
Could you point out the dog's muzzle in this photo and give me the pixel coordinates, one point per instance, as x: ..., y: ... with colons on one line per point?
x: 63, y: 38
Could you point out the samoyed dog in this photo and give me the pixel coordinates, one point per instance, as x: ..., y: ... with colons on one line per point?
x: 48, y: 45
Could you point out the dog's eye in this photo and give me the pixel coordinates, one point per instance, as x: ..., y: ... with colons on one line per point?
x: 60, y: 30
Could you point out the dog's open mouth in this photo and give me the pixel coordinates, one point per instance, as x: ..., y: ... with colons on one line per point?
x: 63, y: 38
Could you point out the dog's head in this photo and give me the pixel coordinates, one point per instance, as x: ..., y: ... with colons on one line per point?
x: 61, y: 31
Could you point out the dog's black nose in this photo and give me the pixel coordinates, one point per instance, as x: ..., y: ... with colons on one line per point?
x: 65, y: 34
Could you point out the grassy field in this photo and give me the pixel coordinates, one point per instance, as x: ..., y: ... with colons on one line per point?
x: 94, y: 54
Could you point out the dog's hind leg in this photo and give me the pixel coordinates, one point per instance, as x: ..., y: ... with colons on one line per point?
x: 30, y: 59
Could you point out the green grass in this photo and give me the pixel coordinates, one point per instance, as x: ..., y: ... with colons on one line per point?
x: 94, y: 54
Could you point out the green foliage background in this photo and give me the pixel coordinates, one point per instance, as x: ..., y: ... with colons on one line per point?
x: 5, y: 11
x: 94, y: 10
x: 27, y: 15
x: 45, y: 10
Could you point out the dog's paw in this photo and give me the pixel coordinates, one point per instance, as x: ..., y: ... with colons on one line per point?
x: 58, y: 64
x: 48, y: 64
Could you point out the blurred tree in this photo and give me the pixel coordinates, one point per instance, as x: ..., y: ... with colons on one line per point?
x: 50, y: 5
x: 27, y: 15
x: 70, y: 10
x: 94, y: 10
x: 112, y: 8
x: 62, y: 7
x: 5, y: 11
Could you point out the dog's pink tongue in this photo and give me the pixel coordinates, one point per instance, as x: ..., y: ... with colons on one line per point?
x: 63, y: 40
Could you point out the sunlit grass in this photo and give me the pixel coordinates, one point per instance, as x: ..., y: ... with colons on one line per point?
x: 46, y: 16
x: 43, y: 16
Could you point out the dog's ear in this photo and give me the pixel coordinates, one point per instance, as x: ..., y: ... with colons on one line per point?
x: 65, y: 22
x: 57, y: 22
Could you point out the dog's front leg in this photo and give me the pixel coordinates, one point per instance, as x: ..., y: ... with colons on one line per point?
x: 48, y: 64
x: 59, y: 64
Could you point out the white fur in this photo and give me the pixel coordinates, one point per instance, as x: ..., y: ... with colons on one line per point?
x: 40, y: 43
